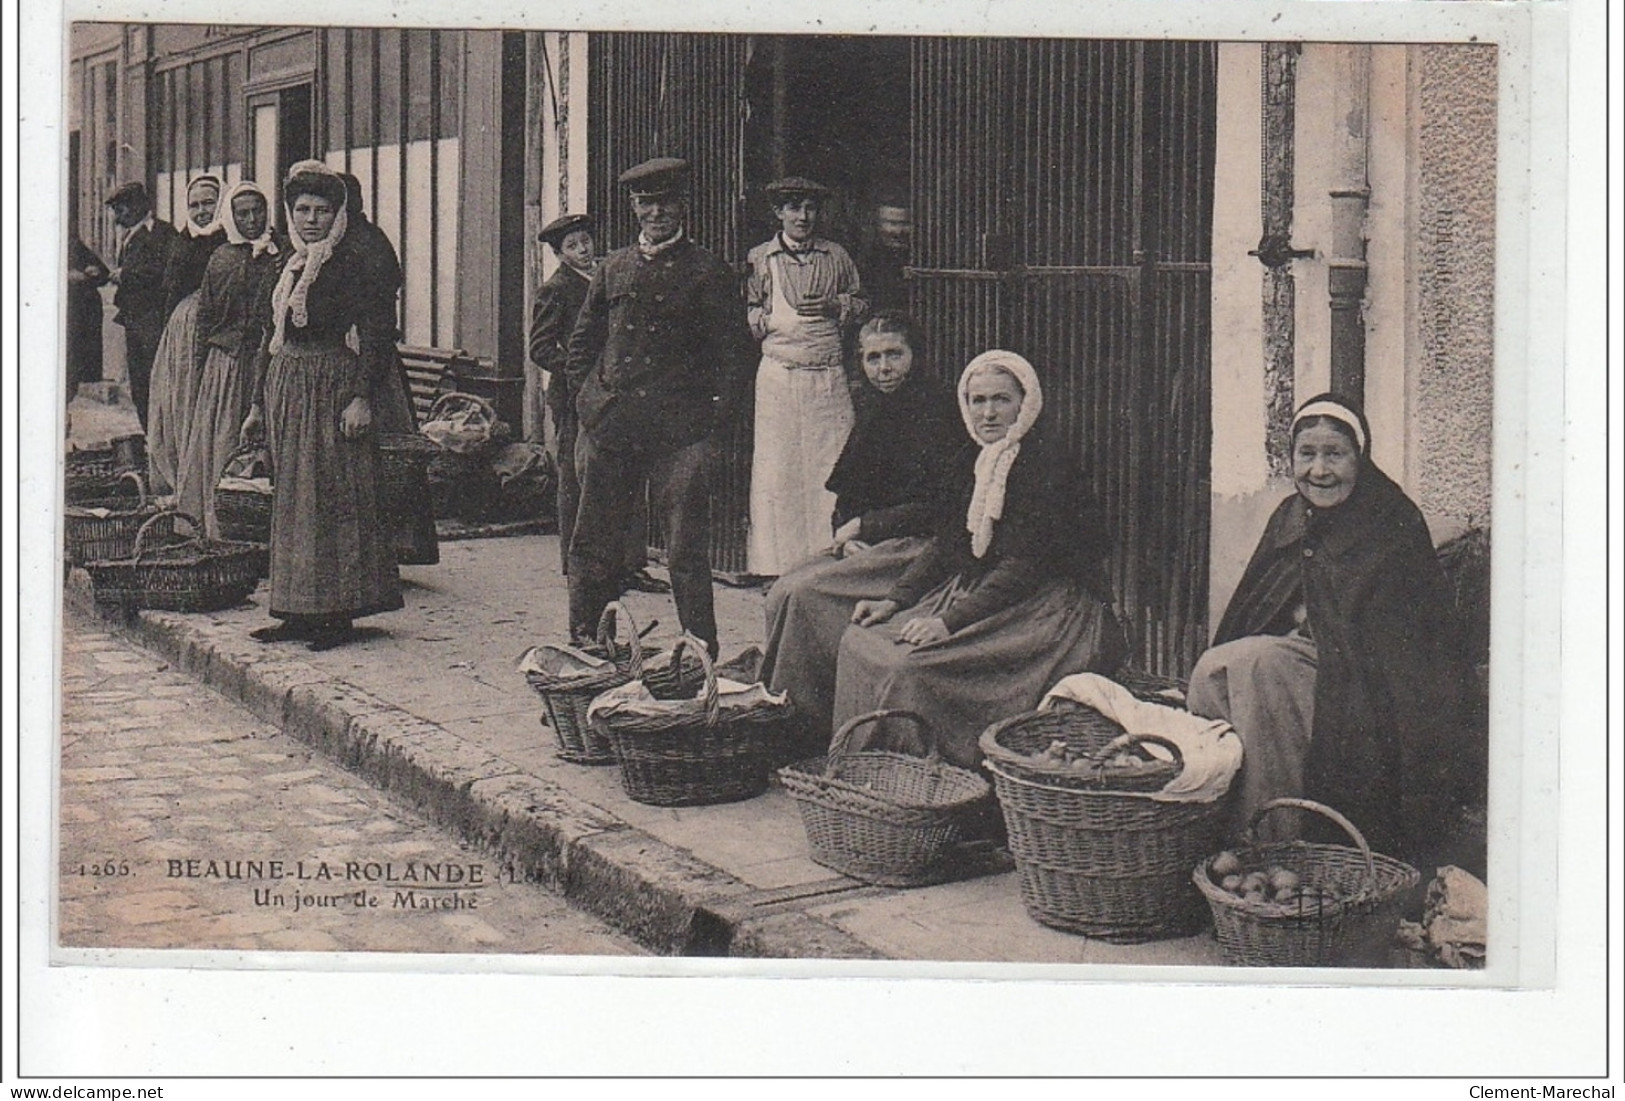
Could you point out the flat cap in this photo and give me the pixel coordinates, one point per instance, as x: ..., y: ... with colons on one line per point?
x: 795, y: 186
x: 132, y: 192
x: 558, y: 229
x: 656, y: 176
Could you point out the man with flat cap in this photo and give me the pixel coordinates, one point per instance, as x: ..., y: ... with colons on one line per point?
x: 552, y: 318
x: 661, y: 333
x: 143, y: 256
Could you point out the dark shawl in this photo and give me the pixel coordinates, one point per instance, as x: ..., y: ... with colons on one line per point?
x: 1050, y: 529
x: 234, y: 282
x: 1388, y: 747
x: 188, y: 260
x: 895, y: 471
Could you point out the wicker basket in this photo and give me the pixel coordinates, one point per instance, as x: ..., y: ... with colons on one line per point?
x: 95, y: 475
x: 1349, y: 921
x: 1092, y: 743
x: 885, y: 818
x: 191, y: 574
x: 690, y: 755
x: 106, y: 528
x: 566, y: 697
x: 242, y: 504
x: 1107, y: 863
x: 403, y: 464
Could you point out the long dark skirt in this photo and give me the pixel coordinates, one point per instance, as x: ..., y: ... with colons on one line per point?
x: 809, y: 608
x: 330, y: 555
x: 990, y: 670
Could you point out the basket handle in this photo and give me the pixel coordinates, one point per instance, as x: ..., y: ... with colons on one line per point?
x: 713, y: 706
x: 842, y: 743
x: 459, y: 397
x: 615, y: 612
x: 1127, y: 741
x: 243, y: 448
x: 1325, y: 812
x: 172, y: 515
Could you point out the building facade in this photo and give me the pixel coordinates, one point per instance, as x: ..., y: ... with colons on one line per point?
x: 1185, y: 238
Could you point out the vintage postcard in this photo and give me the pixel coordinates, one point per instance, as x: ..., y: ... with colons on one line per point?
x: 499, y: 453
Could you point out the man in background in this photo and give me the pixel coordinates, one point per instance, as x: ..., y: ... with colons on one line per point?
x: 881, y: 264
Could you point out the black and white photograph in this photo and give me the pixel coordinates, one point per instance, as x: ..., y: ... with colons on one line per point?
x: 901, y: 504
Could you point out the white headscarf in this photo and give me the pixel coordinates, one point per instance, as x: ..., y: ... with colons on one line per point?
x: 994, y: 463
x: 264, y: 242
x: 302, y: 268
x: 191, y: 228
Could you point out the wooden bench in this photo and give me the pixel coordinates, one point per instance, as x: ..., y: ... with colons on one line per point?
x: 431, y: 372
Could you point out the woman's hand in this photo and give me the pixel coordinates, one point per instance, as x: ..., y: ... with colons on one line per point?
x: 253, y: 429
x: 356, y: 418
x: 846, y: 537
x: 924, y: 631
x: 868, y: 613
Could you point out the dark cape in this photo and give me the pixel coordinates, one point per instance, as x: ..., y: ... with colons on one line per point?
x: 894, y: 474
x: 1388, y: 747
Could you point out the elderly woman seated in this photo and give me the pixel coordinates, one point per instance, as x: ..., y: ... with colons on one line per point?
x: 1337, y: 660
x: 1006, y: 599
x: 892, y: 486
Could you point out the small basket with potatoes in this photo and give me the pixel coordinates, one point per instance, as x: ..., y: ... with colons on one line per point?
x: 1304, y: 904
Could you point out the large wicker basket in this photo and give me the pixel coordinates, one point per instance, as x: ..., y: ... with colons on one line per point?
x: 1105, y: 862
x: 882, y: 817
x: 1347, y: 918
x: 178, y: 574
x: 689, y: 754
x: 567, y: 693
x: 105, y: 528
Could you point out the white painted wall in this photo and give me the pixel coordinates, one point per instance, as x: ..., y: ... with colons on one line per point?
x: 1243, y: 493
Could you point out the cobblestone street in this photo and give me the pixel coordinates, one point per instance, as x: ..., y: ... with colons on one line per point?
x: 188, y: 823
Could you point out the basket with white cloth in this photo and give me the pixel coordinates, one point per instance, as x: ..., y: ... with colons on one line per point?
x: 692, y: 750
x: 567, y: 678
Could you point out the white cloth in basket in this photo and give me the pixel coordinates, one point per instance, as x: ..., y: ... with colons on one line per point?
x: 561, y: 662
x: 1210, y: 747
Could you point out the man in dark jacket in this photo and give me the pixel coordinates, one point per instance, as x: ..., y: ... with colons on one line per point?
x: 662, y: 332
x: 552, y: 319
x: 139, y: 299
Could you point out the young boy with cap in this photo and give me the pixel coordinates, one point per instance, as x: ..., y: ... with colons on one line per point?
x: 552, y: 317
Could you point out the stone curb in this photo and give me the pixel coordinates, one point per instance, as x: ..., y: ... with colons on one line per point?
x: 664, y: 897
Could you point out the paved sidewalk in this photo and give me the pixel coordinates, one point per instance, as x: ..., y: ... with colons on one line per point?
x: 430, y: 707
x: 189, y: 823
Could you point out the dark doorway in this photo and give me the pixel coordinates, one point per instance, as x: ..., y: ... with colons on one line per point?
x: 835, y: 109
x: 293, y: 128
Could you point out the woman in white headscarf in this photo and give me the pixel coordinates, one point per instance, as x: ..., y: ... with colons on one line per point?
x: 175, y: 366
x: 1008, y: 597
x: 331, y: 559
x: 228, y: 338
